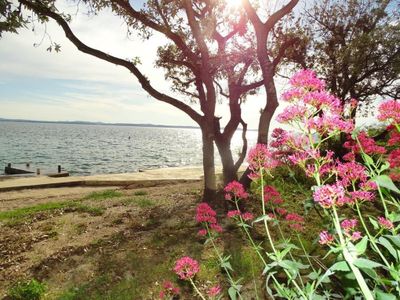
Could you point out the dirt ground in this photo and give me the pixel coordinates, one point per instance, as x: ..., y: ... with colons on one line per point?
x: 70, y: 247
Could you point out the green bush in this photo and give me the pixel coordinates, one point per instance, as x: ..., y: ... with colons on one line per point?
x: 28, y: 290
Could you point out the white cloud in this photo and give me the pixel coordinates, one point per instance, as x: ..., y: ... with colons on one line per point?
x: 99, y: 91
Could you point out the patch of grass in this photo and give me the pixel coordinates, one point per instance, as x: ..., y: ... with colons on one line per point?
x: 28, y: 290
x: 24, y: 212
x: 103, y: 195
x: 140, y: 193
x: 142, y: 202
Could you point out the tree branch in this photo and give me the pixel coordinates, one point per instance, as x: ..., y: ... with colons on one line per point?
x: 145, y: 83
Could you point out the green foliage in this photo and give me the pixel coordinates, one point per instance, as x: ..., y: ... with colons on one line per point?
x: 24, y: 212
x: 354, y: 45
x: 140, y: 193
x: 103, y: 195
x: 28, y: 290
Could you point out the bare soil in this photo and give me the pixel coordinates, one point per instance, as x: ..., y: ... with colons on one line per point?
x: 66, y: 248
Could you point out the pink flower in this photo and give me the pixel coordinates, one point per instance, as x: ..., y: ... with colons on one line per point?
x: 294, y: 218
x: 369, y: 186
x: 394, y: 136
x: 349, y: 225
x: 247, y: 216
x: 169, y: 290
x: 281, y: 211
x: 296, y: 221
x: 272, y: 195
x: 292, y: 113
x: 394, y: 158
x: 350, y: 172
x: 307, y: 79
x: 214, y: 291
x: 329, y: 195
x: 356, y: 236
x: 204, y: 213
x: 328, y: 124
x: 260, y: 157
x: 236, y: 189
x: 202, y: 232
x: 325, y: 238
x: 297, y: 226
x: 385, y: 223
x: 293, y: 95
x: 390, y: 111
x: 361, y: 196
x: 186, y: 267
x: 280, y: 137
x: 323, y: 100
x: 216, y: 227
x: 233, y: 213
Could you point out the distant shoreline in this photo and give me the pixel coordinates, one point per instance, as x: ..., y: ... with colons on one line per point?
x: 98, y: 123
x: 106, y: 124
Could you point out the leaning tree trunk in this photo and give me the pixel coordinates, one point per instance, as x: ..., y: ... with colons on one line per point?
x: 229, y: 169
x: 210, y: 185
x: 264, y: 124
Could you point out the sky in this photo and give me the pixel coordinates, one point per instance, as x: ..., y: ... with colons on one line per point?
x: 72, y: 86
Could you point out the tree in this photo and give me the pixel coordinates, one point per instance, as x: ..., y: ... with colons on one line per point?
x: 355, y: 46
x: 210, y: 55
x: 197, y: 68
x: 274, y: 42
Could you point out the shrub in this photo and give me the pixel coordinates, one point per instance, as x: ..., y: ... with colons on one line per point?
x: 28, y: 290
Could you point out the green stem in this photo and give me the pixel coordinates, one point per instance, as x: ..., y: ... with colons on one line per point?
x: 350, y: 259
x: 305, y: 252
x: 371, y: 238
x: 231, y: 281
x: 196, y: 289
x: 270, y: 238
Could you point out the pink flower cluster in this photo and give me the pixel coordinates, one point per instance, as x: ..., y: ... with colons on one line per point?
x: 351, y: 172
x: 186, y: 267
x: 385, y: 223
x: 271, y: 195
x: 390, y: 111
x: 169, y: 290
x: 205, y: 214
x: 307, y: 79
x: 325, y: 238
x: 329, y: 195
x: 247, y: 216
x: 394, y: 139
x: 296, y: 221
x: 236, y: 190
x: 260, y: 157
x: 368, y: 145
x: 214, y: 291
x: 348, y: 227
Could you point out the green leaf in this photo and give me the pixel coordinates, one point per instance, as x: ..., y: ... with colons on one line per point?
x: 232, y: 293
x: 364, y: 263
x: 385, y: 166
x: 395, y: 239
x: 386, y: 182
x: 361, y: 246
x: 262, y: 218
x: 374, y: 223
x: 340, y: 266
x: 389, y: 247
x: 380, y: 295
x: 226, y: 265
x: 368, y: 159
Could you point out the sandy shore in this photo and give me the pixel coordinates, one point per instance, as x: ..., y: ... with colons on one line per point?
x: 145, y: 178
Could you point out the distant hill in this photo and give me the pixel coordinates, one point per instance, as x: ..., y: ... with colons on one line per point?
x: 96, y: 123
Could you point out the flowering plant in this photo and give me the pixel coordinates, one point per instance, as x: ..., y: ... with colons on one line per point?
x: 359, y: 202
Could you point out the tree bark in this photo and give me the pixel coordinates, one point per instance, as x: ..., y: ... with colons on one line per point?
x: 210, y: 184
x: 229, y: 168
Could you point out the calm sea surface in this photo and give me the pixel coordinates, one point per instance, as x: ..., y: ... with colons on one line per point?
x: 101, y: 149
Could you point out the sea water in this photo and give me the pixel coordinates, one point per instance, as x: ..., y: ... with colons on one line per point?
x: 83, y: 149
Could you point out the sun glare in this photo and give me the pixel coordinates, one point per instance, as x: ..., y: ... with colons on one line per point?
x: 233, y: 3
